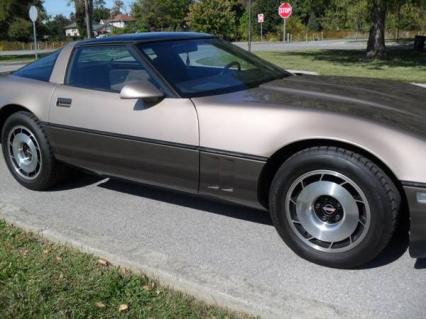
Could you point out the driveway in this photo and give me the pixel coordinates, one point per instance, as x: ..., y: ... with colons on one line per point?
x: 221, y: 253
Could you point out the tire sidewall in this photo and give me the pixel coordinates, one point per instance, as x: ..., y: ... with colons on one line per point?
x: 364, y: 178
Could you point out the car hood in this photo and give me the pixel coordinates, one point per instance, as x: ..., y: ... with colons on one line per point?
x: 392, y: 103
x: 372, y: 94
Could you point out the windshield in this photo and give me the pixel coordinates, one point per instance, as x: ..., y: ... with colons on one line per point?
x: 201, y: 67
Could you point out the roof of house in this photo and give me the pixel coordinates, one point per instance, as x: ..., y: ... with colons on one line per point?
x: 71, y: 26
x: 148, y: 37
x: 121, y: 17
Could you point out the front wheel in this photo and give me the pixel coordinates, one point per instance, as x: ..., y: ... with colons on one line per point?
x: 28, y: 154
x: 334, y: 207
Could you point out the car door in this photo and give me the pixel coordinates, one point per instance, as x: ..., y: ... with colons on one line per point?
x: 90, y: 126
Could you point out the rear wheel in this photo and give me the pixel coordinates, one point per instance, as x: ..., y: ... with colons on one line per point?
x: 28, y: 154
x: 334, y: 207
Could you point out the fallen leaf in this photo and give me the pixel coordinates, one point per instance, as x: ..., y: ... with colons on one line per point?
x: 146, y: 287
x: 123, y: 307
x: 158, y: 292
x: 103, y: 262
x: 61, y: 275
x: 23, y: 252
x: 100, y: 305
x: 46, y: 251
x: 58, y: 258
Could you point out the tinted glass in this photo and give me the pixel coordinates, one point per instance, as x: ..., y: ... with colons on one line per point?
x: 40, y: 69
x: 208, y: 66
x: 106, y: 68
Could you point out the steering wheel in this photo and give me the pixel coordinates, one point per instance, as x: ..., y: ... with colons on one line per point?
x: 231, y: 64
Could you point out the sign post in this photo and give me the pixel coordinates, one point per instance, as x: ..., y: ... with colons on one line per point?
x: 261, y: 19
x: 33, y: 13
x: 285, y: 10
x: 249, y: 26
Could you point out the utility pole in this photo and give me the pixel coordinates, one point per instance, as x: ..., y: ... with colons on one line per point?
x: 88, y: 9
x: 249, y: 26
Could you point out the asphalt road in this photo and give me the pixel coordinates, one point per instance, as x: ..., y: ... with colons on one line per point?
x: 224, y: 254
x: 340, y: 44
x: 10, y: 66
x: 24, y: 52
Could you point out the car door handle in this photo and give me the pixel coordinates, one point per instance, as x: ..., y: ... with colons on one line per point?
x: 63, y: 102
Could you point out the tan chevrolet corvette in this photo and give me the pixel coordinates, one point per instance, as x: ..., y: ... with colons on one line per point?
x: 337, y: 162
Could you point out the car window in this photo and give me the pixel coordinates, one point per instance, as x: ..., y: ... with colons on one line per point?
x: 106, y: 68
x: 209, y: 56
x: 200, y: 67
x: 40, y: 69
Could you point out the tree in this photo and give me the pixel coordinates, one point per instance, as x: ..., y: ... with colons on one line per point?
x: 100, y: 12
x: 80, y: 15
x: 161, y: 14
x: 117, y: 8
x: 11, y: 10
x: 216, y: 17
x: 346, y: 14
x: 55, y: 27
x: 270, y: 10
x: 20, y: 30
x: 376, y: 41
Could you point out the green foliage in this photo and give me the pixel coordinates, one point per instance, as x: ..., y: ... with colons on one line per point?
x: 347, y: 15
x: 244, y: 25
x: 11, y: 11
x: 407, y: 15
x: 20, y: 30
x: 100, y: 12
x: 55, y: 27
x: 270, y: 10
x: 160, y: 14
x: 215, y: 17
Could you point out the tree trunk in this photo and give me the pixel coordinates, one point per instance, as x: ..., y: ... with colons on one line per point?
x: 88, y: 4
x: 376, y: 41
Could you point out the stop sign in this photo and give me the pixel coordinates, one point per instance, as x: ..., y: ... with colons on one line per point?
x: 285, y: 10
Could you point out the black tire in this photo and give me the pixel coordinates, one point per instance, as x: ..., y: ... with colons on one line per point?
x: 48, y: 171
x: 380, y: 206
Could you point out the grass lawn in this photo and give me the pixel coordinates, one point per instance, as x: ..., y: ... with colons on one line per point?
x: 13, y: 58
x: 404, y: 65
x: 39, y: 279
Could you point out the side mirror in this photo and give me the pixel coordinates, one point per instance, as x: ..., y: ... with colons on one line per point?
x: 140, y: 90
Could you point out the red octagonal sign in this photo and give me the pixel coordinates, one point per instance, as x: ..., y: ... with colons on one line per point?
x: 285, y: 10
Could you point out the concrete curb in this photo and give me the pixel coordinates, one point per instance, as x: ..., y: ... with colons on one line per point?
x: 229, y: 293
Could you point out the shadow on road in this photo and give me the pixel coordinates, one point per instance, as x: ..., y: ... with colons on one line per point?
x: 190, y: 201
x: 77, y: 179
x: 420, y: 264
x: 396, y: 248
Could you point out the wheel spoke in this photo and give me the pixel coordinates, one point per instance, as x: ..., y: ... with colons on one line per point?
x: 24, y: 152
x: 324, y: 211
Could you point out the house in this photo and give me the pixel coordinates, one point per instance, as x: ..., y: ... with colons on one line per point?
x: 71, y: 30
x: 119, y: 21
x: 104, y: 27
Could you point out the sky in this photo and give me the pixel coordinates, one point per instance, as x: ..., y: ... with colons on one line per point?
x: 54, y: 7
